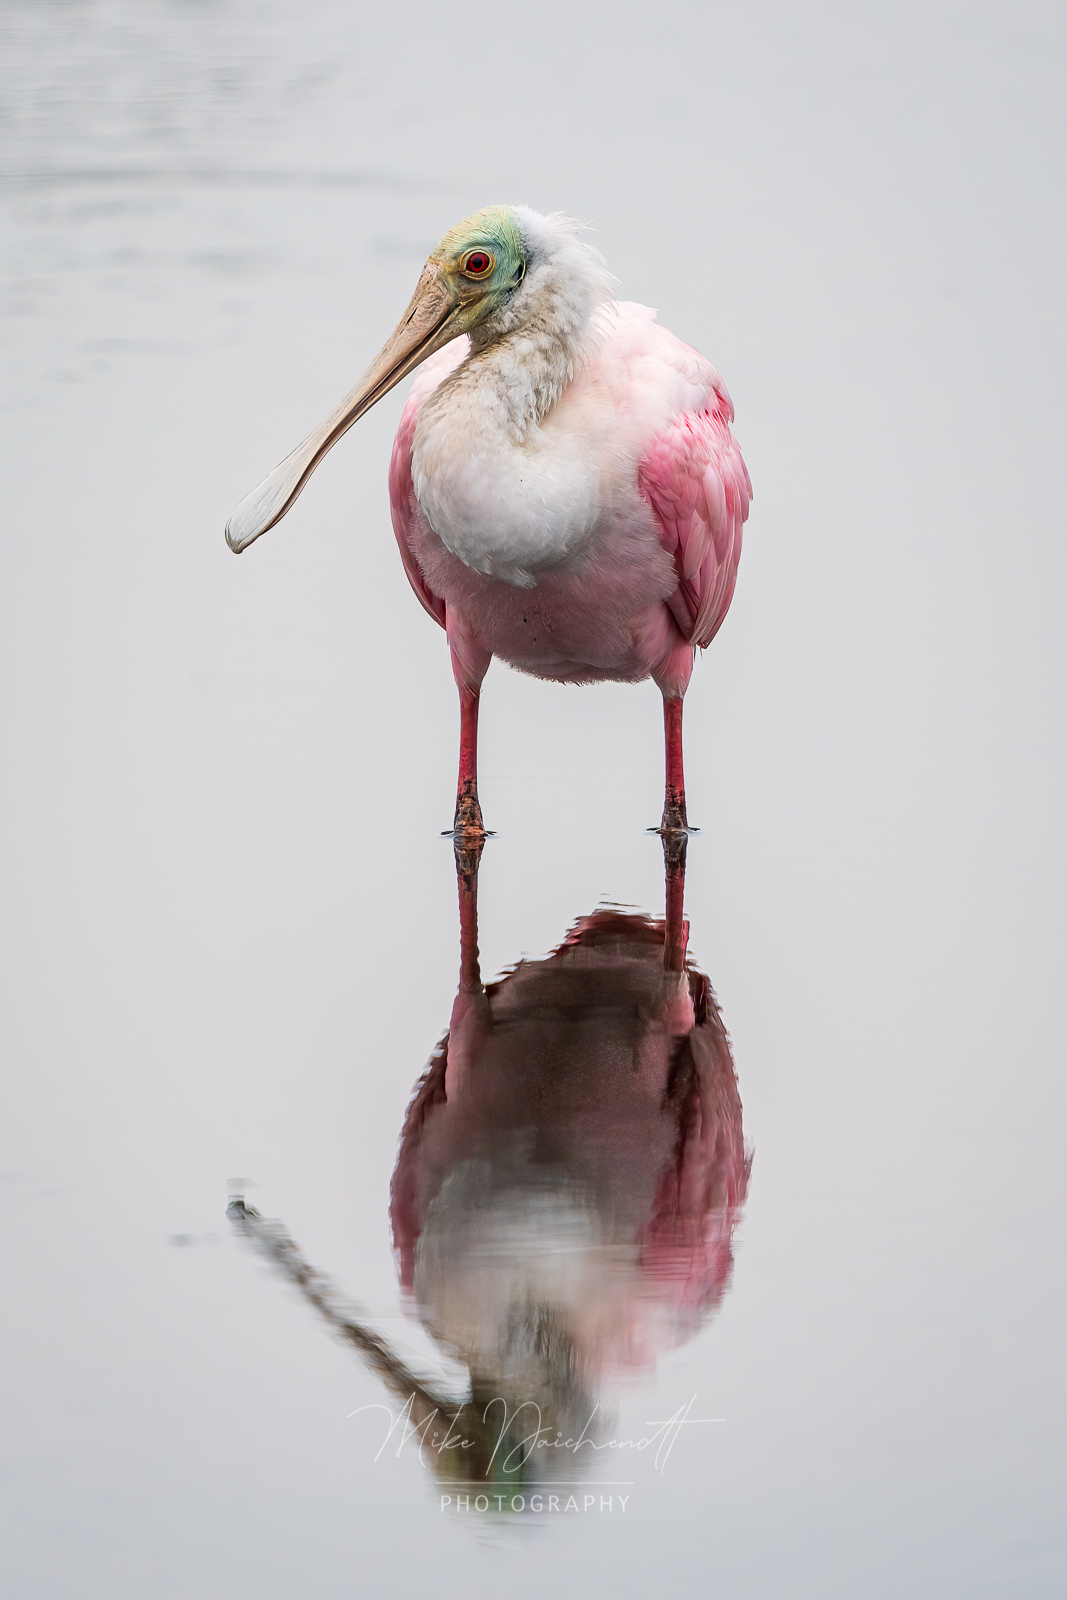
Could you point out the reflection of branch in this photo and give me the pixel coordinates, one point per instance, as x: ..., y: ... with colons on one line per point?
x: 272, y: 1241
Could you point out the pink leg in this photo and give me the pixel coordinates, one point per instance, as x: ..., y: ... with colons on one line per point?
x: 468, y: 823
x: 470, y: 663
x: 675, y: 831
x: 674, y: 817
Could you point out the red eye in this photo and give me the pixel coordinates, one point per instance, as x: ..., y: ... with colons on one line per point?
x: 477, y: 264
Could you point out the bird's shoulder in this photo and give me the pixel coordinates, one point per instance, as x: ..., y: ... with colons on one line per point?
x: 689, y: 467
x: 648, y: 374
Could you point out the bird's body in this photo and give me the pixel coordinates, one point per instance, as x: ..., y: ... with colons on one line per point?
x: 593, y: 585
x: 564, y: 486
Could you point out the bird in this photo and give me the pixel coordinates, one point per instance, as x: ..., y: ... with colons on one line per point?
x: 564, y: 486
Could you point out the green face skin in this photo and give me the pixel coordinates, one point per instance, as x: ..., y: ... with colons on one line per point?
x: 490, y: 235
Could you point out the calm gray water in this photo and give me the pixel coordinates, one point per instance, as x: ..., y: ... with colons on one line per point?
x: 230, y: 936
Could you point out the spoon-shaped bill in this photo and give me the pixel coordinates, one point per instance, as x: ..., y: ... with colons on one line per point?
x: 428, y: 323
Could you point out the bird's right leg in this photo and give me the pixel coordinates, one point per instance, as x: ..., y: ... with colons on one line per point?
x: 470, y: 663
x: 468, y: 825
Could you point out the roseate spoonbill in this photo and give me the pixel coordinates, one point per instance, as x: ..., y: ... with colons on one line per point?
x: 565, y: 489
x: 570, y: 1175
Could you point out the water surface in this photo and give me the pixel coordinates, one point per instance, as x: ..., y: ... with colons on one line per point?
x: 230, y: 932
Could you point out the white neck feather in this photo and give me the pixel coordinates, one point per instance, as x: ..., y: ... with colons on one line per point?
x: 529, y: 351
x: 525, y: 513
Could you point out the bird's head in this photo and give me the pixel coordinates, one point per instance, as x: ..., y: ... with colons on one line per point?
x: 480, y: 263
x: 480, y: 280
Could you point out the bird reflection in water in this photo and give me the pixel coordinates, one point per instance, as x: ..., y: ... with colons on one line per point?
x: 570, y: 1174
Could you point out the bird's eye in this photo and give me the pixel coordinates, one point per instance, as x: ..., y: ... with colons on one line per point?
x: 478, y: 264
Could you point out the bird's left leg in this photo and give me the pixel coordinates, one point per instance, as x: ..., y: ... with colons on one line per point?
x: 671, y: 675
x: 674, y: 814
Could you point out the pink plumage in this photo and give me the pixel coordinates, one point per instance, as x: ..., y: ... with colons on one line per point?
x: 696, y: 483
x: 673, y: 483
x: 565, y: 489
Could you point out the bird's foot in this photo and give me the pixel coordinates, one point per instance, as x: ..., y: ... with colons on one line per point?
x: 468, y: 835
x: 674, y: 829
x: 674, y: 820
x: 468, y: 829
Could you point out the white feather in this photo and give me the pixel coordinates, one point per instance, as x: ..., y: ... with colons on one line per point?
x: 503, y: 489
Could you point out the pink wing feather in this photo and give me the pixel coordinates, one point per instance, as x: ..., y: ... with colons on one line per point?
x: 697, y: 485
x: 404, y: 506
